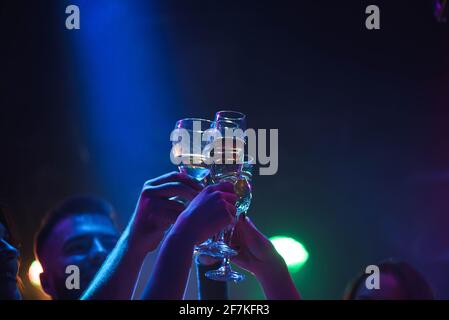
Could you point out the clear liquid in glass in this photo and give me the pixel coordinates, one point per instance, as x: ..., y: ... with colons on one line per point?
x: 198, y: 172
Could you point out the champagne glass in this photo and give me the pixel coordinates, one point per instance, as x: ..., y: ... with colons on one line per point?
x: 243, y: 189
x: 240, y: 176
x: 188, y: 150
x: 227, y: 162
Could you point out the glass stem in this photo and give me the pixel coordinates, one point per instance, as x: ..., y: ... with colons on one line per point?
x: 225, y: 266
x: 221, y: 236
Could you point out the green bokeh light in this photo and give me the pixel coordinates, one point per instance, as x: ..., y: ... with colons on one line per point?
x: 292, y: 251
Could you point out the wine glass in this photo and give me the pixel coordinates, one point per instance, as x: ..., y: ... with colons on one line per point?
x: 243, y: 189
x: 188, y: 150
x: 241, y: 178
x: 227, y: 162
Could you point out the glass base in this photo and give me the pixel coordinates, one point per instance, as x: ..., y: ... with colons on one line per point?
x: 225, y: 274
x: 215, y: 249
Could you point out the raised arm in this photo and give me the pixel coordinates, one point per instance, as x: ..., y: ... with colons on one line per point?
x: 257, y: 254
x: 211, y: 211
x: 153, y: 215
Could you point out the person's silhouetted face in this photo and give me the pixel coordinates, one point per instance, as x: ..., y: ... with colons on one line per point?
x: 390, y: 289
x: 81, y: 239
x: 397, y: 281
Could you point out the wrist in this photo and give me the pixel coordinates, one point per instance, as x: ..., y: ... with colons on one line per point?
x: 181, y: 232
x: 135, y: 243
x: 275, y: 266
x: 278, y: 284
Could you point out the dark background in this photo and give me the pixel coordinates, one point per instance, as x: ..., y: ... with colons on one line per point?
x: 362, y: 118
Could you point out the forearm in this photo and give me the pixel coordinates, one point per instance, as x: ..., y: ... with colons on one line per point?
x: 278, y: 284
x: 170, y: 274
x: 118, y: 275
